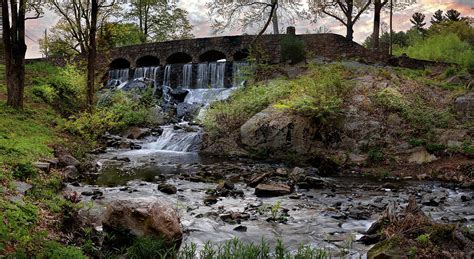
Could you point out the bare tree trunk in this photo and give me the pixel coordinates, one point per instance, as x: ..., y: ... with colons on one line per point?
x: 391, y: 27
x: 275, y: 19
x: 350, y: 23
x: 91, y: 55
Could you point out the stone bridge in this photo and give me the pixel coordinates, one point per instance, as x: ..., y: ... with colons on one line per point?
x: 233, y: 48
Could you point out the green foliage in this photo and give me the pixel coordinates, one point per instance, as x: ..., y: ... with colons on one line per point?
x: 114, y: 112
x: 24, y: 171
x: 292, y: 49
x: 118, y: 34
x: 318, y: 95
x: 446, y: 48
x: 418, y: 113
x: 63, y: 90
x: 54, y: 250
x: 149, y: 247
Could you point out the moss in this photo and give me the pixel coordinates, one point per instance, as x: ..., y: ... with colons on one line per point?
x: 389, y: 247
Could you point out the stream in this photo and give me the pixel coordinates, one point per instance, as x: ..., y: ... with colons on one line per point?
x: 332, y: 217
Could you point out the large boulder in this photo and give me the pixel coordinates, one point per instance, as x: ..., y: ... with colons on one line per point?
x: 143, y: 217
x: 278, y: 131
x: 137, y: 133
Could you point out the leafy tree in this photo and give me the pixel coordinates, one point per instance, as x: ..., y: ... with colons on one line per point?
x: 159, y: 20
x: 346, y: 12
x: 13, y: 32
x: 248, y: 14
x: 400, y: 39
x: 418, y: 21
x: 437, y: 17
x: 453, y: 15
x: 118, y: 34
x: 463, y: 29
x: 74, y: 24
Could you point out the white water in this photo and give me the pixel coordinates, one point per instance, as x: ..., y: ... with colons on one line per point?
x: 177, y: 140
x: 187, y: 76
x: 119, y: 74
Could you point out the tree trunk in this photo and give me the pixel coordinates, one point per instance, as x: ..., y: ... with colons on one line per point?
x: 350, y: 22
x: 15, y: 50
x: 376, y: 33
x: 275, y: 19
x: 391, y: 27
x: 91, y: 56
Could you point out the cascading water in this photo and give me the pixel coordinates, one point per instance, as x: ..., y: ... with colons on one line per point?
x: 187, y: 76
x: 217, y: 74
x: 203, y: 75
x: 186, y: 139
x: 238, y: 70
x: 119, y: 74
x: 167, y: 83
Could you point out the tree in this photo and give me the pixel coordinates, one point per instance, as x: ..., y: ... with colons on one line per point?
x: 453, y: 15
x: 113, y: 35
x: 418, y: 21
x: 251, y: 14
x: 378, y: 5
x: 346, y: 12
x: 74, y: 24
x: 159, y: 20
x: 437, y: 17
x: 81, y: 18
x: 13, y: 32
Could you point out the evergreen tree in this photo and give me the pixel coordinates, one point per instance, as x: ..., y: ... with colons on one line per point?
x: 453, y: 15
x: 418, y: 21
x: 437, y: 17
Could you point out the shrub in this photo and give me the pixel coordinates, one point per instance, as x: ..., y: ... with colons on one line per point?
x: 375, y: 155
x: 292, y: 49
x: 116, y: 111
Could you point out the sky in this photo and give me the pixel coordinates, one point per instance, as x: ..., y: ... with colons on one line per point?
x: 200, y: 19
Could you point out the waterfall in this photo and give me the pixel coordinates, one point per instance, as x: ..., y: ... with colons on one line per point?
x: 145, y: 73
x: 238, y: 74
x: 187, y: 76
x: 217, y: 74
x: 203, y: 75
x: 177, y: 140
x: 155, y: 79
x: 119, y: 74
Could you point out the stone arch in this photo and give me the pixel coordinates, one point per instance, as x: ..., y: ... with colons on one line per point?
x: 211, y: 56
x: 179, y: 58
x: 119, y: 63
x: 147, y: 61
x: 241, y: 55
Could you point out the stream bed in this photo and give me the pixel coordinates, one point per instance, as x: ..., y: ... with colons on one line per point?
x: 331, y: 218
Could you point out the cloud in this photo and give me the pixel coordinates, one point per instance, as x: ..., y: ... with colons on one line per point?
x: 199, y: 17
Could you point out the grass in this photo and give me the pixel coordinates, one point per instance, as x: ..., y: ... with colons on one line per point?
x: 318, y: 94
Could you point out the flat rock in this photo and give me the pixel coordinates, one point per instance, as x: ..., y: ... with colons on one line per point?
x: 167, y: 188
x: 272, y: 190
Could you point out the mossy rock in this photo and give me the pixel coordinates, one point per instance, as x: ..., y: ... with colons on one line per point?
x: 389, y: 248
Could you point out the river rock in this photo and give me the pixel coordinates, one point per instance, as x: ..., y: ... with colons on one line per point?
x: 421, y: 156
x: 144, y: 216
x: 179, y: 94
x: 167, y: 188
x: 280, y: 132
x: 272, y: 190
x: 71, y: 173
x: 136, y: 133
x: 67, y: 160
x: 257, y: 179
x: 464, y: 106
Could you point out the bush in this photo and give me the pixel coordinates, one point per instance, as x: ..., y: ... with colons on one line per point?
x: 116, y: 111
x: 292, y: 49
x: 318, y: 95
